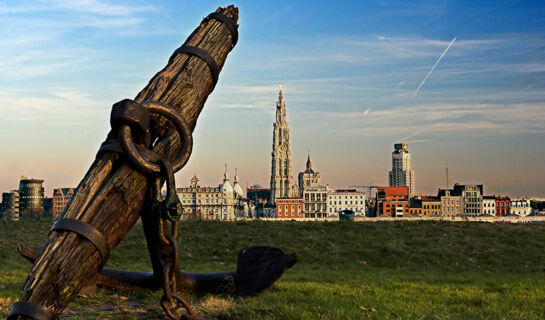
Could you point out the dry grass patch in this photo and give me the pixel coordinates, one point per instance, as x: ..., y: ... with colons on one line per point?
x: 216, y: 305
x: 5, y: 303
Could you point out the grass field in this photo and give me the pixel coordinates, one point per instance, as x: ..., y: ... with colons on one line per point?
x: 373, y: 270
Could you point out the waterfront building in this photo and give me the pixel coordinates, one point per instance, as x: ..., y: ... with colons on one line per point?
x: 281, y: 167
x: 489, y: 205
x: 346, y: 199
x: 289, y: 208
x: 472, y: 198
x: 314, y: 193
x: 402, y: 175
x: 10, y: 205
x: 31, y: 198
x: 392, y: 201
x: 431, y: 206
x: 213, y: 203
x: 503, y: 206
x: 451, y: 205
x: 61, y: 197
x: 315, y: 201
x: 521, y: 207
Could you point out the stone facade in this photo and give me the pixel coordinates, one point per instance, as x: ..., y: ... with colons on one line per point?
x: 213, y: 203
x: 309, y: 177
x: 451, y: 205
x: 351, y: 199
x: 489, y: 205
x: 401, y: 174
x: 521, y: 207
x: 315, y: 201
x: 281, y: 167
x: 472, y: 198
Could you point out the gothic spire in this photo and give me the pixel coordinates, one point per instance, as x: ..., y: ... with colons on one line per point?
x: 309, y: 164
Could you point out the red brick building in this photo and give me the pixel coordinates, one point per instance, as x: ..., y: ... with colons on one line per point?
x: 61, y: 197
x: 289, y: 208
x: 503, y: 206
x: 392, y: 201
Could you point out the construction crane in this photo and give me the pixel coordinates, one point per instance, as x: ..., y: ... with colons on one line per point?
x: 370, y: 203
x: 371, y: 186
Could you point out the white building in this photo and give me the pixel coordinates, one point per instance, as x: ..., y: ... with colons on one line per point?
x: 401, y: 174
x: 521, y: 207
x: 351, y: 199
x: 213, y: 203
x: 315, y: 201
x: 489, y: 205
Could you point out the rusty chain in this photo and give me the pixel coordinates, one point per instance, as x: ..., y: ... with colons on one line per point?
x: 169, y: 211
x: 130, y: 136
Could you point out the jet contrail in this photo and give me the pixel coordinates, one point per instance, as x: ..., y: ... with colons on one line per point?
x: 433, y: 68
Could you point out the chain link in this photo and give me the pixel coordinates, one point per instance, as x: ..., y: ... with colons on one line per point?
x: 168, y: 211
x: 129, y: 116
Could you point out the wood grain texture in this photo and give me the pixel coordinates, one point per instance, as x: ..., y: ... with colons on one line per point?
x: 112, y: 193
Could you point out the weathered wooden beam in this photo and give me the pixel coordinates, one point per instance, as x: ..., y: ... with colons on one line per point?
x: 112, y: 194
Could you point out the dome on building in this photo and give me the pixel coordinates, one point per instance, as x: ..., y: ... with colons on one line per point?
x: 236, y: 188
x: 226, y: 187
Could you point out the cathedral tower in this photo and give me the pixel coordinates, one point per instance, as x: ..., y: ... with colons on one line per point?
x: 281, y: 174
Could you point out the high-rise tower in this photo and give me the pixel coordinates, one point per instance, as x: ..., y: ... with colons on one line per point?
x: 401, y: 174
x: 281, y: 174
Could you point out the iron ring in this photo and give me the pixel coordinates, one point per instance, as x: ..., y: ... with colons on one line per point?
x: 181, y: 126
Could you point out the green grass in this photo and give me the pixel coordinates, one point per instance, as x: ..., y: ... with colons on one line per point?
x: 370, y: 270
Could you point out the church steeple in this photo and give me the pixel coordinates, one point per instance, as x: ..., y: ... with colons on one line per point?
x: 281, y: 168
x: 280, y: 108
x: 309, y: 164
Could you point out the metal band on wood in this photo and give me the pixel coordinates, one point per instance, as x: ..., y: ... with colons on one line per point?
x: 32, y: 310
x: 111, y: 145
x: 196, y: 51
x: 88, y: 232
x: 229, y: 23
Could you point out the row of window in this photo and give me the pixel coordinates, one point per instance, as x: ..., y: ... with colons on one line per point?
x: 315, y: 197
x: 200, y: 195
x: 334, y: 203
x: 332, y: 210
x: 199, y: 201
x: 200, y: 190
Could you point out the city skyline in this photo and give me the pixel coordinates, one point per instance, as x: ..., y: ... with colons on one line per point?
x: 351, y: 88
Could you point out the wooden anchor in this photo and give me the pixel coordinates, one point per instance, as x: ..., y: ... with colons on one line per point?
x: 116, y: 192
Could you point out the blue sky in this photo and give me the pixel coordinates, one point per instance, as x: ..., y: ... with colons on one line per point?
x: 349, y: 72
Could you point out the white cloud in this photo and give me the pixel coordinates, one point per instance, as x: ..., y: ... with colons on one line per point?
x: 66, y: 107
x: 406, y: 122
